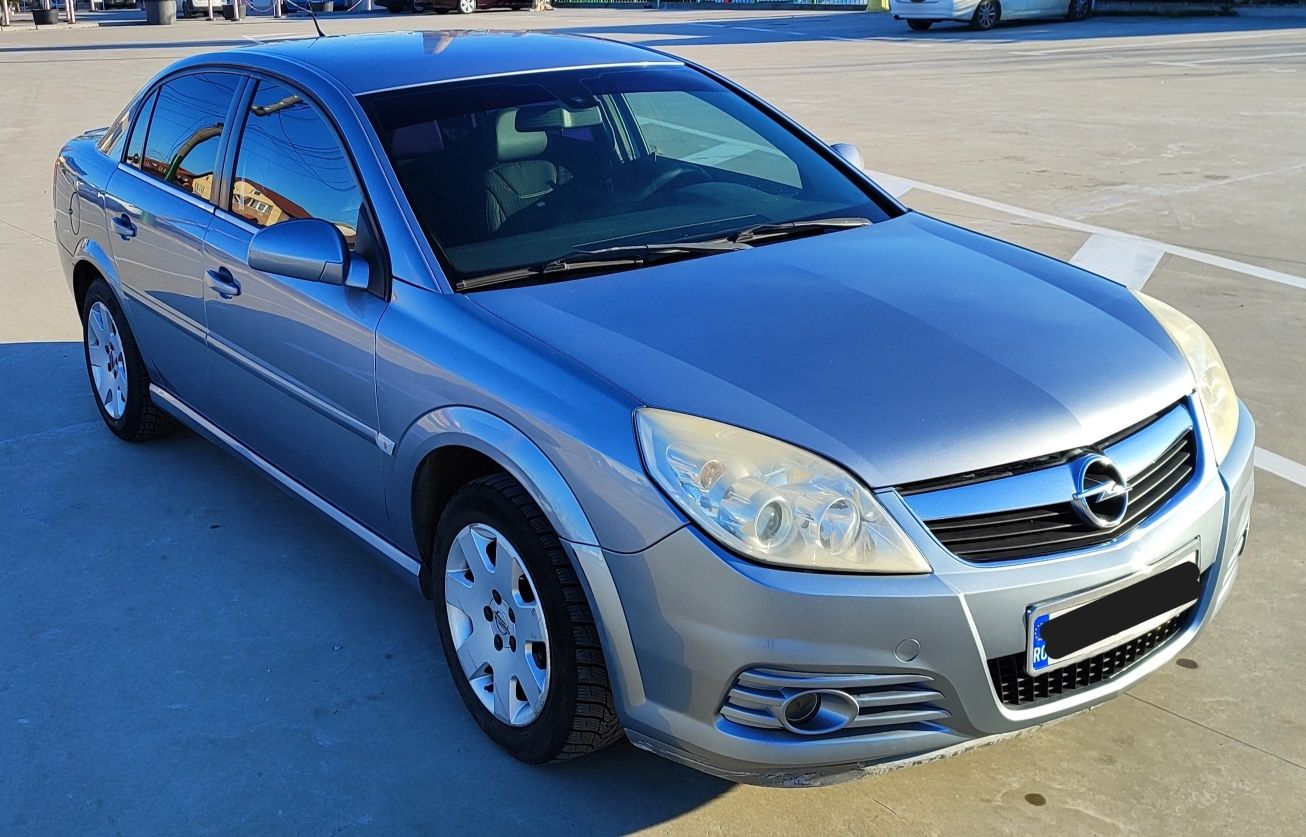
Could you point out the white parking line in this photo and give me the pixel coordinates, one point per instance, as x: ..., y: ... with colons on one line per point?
x: 1199, y: 62
x: 1149, y: 43
x: 1129, y: 261
x: 1034, y: 215
x: 1281, y: 466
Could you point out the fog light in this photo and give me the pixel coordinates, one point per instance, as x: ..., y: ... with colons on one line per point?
x: 803, y: 708
x: 818, y: 712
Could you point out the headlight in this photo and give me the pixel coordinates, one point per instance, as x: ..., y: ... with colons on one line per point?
x: 769, y: 500
x: 1214, y: 389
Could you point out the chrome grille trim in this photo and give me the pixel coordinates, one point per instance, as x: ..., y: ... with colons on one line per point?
x: 1028, y: 513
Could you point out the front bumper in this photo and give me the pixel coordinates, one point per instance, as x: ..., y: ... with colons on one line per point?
x: 700, y: 617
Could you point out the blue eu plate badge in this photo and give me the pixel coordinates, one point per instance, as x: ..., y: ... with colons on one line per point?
x: 1038, y: 649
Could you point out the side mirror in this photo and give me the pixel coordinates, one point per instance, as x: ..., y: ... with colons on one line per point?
x: 307, y: 248
x: 849, y: 153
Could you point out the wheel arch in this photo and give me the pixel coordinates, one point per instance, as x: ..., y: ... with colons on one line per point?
x: 91, y: 262
x: 472, y: 443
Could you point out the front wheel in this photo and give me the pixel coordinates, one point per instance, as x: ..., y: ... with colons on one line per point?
x: 516, y: 628
x: 1079, y: 9
x: 420, y: 7
x: 920, y: 25
x: 987, y: 14
x: 466, y: 6
x: 116, y: 370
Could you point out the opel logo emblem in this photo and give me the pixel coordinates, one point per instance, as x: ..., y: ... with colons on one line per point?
x: 1101, y: 494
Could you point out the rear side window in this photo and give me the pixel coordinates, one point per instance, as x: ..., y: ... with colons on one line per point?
x: 181, y: 147
x: 291, y: 164
x: 136, y: 142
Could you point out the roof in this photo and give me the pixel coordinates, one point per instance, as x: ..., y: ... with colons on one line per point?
x: 366, y: 63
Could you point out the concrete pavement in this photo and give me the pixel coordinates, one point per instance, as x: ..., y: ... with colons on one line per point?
x: 183, y: 648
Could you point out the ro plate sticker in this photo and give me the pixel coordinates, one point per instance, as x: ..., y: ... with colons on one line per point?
x: 1039, y: 651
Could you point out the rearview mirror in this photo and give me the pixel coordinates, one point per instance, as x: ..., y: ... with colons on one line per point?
x: 307, y: 248
x: 849, y: 153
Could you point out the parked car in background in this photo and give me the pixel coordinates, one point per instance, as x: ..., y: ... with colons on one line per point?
x: 984, y: 14
x: 686, y: 428
x: 442, y: 7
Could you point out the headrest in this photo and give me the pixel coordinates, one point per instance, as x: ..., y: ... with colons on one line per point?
x: 416, y: 140
x: 512, y: 144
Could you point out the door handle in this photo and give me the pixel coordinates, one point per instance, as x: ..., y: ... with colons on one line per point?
x: 124, y: 226
x: 223, y: 283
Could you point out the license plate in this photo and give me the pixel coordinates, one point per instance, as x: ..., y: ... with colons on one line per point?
x: 1070, y: 629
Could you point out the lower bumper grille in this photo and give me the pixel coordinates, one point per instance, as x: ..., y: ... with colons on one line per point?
x: 880, y: 703
x: 1015, y: 687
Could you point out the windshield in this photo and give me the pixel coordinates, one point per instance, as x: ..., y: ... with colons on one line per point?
x: 519, y: 172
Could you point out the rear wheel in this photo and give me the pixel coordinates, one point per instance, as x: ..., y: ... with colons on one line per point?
x: 116, y: 370
x: 516, y: 628
x: 420, y: 7
x: 987, y: 14
x: 466, y: 6
x: 1079, y: 9
x: 920, y: 25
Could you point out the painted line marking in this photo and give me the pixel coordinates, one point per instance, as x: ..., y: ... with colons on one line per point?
x: 1201, y: 62
x: 1092, y: 229
x: 1127, y: 261
x: 895, y: 186
x: 1281, y: 466
x: 1150, y: 43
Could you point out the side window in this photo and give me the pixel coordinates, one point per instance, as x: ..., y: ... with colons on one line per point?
x: 136, y: 142
x: 181, y: 147
x: 291, y: 165
x: 683, y: 126
x: 110, y: 144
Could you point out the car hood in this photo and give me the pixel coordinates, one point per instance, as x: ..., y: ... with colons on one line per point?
x: 906, y: 351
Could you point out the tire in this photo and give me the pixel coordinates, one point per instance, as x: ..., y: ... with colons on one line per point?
x: 116, y: 371
x: 491, y: 539
x: 1079, y: 10
x: 466, y: 6
x: 987, y: 14
x: 920, y: 25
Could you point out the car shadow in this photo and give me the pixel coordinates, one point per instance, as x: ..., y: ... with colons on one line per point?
x: 181, y: 643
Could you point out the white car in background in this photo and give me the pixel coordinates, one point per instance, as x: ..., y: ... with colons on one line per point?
x: 984, y: 14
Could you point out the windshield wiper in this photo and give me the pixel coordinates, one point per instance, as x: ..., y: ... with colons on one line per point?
x: 794, y: 229
x: 632, y: 255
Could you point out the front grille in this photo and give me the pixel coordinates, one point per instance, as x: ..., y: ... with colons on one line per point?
x: 885, y: 702
x: 1016, y: 687
x: 1042, y: 530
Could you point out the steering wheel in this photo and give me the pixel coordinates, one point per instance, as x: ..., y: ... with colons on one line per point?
x: 671, y: 175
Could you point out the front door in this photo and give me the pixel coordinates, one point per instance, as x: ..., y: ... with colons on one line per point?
x: 292, y: 362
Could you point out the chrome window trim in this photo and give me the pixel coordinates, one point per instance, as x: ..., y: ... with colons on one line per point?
x: 509, y: 74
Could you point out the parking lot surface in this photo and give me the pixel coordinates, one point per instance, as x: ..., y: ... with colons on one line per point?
x: 184, y: 649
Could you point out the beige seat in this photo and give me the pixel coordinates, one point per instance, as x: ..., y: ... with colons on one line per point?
x: 519, y: 177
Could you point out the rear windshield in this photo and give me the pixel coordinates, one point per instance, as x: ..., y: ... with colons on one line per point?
x: 510, y: 172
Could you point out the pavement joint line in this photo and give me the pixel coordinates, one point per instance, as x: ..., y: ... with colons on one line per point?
x: 1257, y: 271
x: 1201, y: 62
x: 48, y: 432
x: 1221, y: 733
x: 1281, y: 466
x: 24, y: 230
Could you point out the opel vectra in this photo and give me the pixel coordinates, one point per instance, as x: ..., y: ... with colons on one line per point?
x: 690, y: 432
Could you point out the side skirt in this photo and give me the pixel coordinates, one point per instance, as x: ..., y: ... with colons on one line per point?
x: 404, y: 565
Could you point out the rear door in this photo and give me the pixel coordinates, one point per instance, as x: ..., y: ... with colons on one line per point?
x: 292, y: 362
x: 159, y: 208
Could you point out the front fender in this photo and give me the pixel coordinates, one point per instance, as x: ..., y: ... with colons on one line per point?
x: 490, y: 435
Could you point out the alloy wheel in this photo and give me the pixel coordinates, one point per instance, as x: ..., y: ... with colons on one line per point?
x: 108, y: 366
x: 466, y: 6
x: 986, y: 14
x: 497, y: 624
